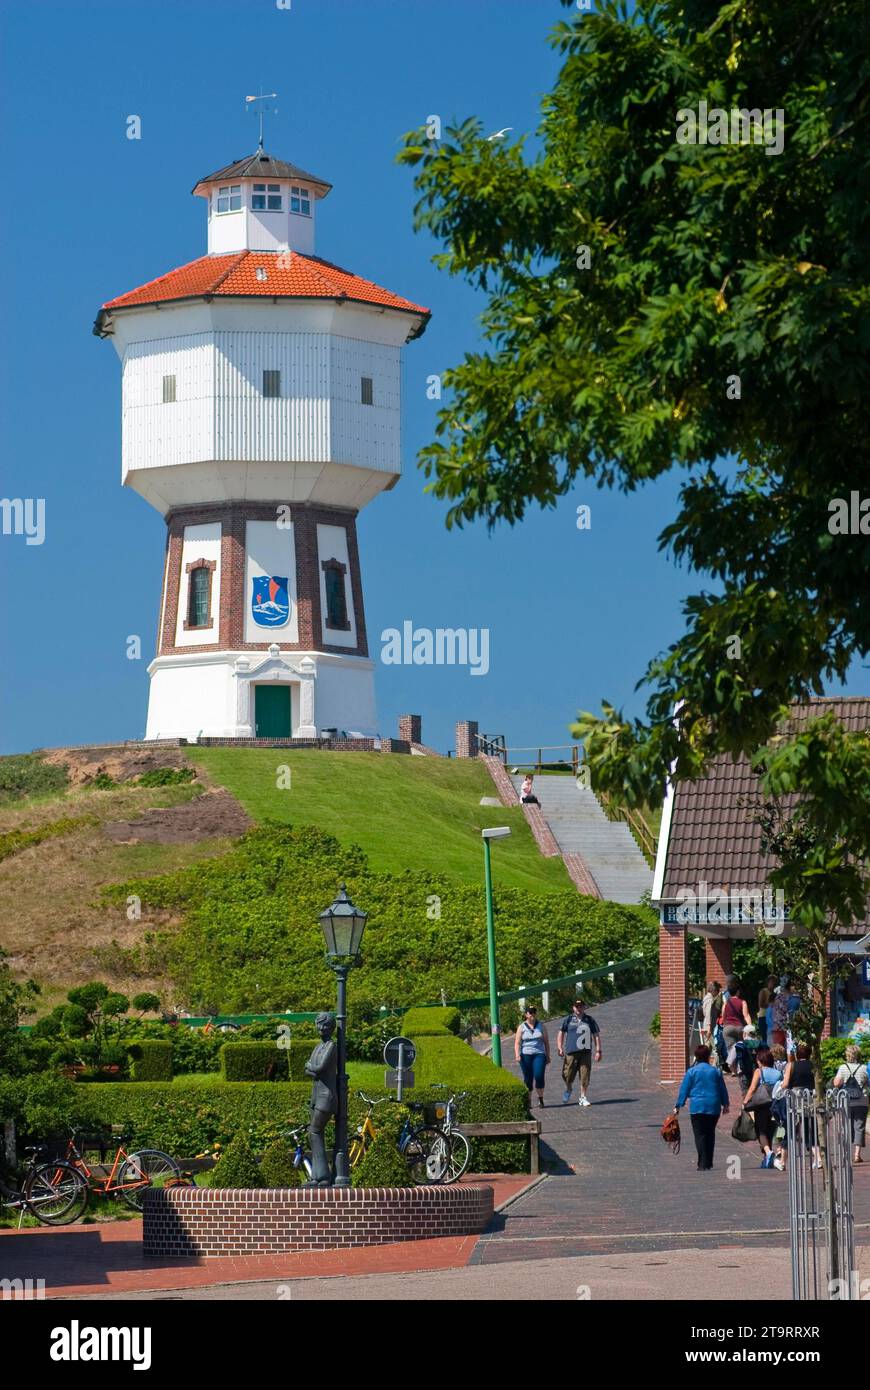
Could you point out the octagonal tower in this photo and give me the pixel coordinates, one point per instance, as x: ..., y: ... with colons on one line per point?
x: 261, y: 411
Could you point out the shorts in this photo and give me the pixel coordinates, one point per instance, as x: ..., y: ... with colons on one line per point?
x: 577, y: 1062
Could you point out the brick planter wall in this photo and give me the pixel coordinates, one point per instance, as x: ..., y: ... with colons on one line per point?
x: 185, y: 1222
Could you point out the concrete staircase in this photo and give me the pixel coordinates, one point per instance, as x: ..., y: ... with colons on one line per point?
x: 580, y: 826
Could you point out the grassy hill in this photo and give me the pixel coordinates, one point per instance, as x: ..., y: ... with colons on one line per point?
x: 406, y: 813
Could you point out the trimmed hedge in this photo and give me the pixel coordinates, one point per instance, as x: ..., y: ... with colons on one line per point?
x: 185, y: 1120
x: 151, y: 1059
x: 430, y: 1022
x: 253, y: 1061
x: 493, y: 1094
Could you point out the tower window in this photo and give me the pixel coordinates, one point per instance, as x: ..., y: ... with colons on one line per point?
x: 271, y: 383
x: 300, y: 200
x: 169, y: 390
x: 229, y: 198
x: 367, y: 394
x: 267, y: 197
x: 336, y: 599
x: 199, y: 577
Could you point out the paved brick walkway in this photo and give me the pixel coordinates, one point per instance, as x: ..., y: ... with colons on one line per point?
x: 615, y: 1187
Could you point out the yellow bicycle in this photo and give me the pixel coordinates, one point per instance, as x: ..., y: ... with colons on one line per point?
x: 422, y: 1146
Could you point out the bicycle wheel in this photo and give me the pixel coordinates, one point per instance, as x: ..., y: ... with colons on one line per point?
x: 143, y: 1169
x: 56, y: 1194
x: 427, y: 1153
x: 459, y: 1158
x: 355, y: 1151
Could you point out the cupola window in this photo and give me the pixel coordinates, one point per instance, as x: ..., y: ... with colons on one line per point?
x: 300, y: 200
x: 267, y: 197
x: 229, y: 198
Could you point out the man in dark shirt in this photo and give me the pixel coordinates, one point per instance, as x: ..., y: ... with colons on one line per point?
x: 578, y: 1037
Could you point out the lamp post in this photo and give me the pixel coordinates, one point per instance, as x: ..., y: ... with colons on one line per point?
x: 496, y: 832
x: 342, y: 925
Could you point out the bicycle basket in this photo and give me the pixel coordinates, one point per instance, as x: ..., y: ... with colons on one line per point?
x: 435, y: 1111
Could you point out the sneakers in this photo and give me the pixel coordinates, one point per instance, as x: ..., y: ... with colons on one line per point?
x: 767, y: 1161
x: 566, y: 1096
x: 779, y: 1165
x: 584, y: 1101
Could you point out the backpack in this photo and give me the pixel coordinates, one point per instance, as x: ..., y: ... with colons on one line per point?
x: 853, y: 1088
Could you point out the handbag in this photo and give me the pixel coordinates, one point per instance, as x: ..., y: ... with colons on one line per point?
x: 743, y: 1129
x: 670, y: 1132
x: 763, y: 1096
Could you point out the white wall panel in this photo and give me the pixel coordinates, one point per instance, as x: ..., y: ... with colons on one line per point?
x: 332, y: 545
x: 365, y: 435
x: 270, y: 549
x: 293, y: 427
x: 157, y: 435
x: 200, y: 543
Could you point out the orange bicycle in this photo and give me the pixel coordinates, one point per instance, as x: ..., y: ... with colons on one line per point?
x: 128, y: 1175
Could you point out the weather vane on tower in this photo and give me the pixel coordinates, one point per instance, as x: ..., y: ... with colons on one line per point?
x: 259, y: 104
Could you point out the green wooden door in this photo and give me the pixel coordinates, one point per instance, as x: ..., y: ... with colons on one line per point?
x: 272, y: 711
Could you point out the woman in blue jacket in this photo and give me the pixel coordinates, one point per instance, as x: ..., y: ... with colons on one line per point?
x: 705, y: 1090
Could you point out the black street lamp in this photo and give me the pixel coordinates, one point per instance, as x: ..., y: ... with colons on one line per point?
x: 342, y: 925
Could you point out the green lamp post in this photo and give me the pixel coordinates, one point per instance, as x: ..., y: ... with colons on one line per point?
x: 342, y: 925
x: 496, y: 832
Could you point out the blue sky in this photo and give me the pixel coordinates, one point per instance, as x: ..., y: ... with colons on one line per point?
x: 88, y: 214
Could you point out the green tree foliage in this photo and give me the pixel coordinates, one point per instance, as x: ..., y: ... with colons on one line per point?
x: 249, y: 938
x: 16, y: 1003
x: 708, y: 264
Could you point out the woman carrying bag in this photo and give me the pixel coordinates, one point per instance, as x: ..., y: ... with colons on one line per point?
x: 705, y: 1090
x: 759, y: 1102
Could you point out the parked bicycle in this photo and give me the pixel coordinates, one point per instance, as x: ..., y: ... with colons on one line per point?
x: 422, y: 1146
x: 128, y: 1175
x: 55, y: 1193
x: 300, y: 1158
x: 458, y: 1148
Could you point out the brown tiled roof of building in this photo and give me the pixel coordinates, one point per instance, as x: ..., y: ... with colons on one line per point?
x: 712, y: 836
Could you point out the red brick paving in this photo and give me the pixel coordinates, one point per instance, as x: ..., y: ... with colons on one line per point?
x: 87, y: 1261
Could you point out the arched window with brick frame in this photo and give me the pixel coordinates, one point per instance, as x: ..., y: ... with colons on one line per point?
x: 199, y: 595
x: 336, y: 596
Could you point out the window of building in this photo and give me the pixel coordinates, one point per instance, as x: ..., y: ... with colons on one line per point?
x: 336, y: 598
x: 229, y: 198
x: 271, y: 383
x: 168, y: 390
x: 199, y: 577
x: 300, y: 200
x: 367, y: 393
x: 267, y: 197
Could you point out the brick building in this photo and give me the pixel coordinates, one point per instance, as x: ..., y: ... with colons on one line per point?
x: 711, y: 879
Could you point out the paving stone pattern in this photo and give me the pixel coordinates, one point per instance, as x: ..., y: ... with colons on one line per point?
x: 614, y: 1186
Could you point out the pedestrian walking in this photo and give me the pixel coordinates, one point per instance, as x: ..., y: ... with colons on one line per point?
x: 711, y: 1007
x: 780, y: 1013
x: 704, y: 1088
x: 579, y: 1036
x: 765, y: 999
x: 735, y: 1017
x: 532, y: 1051
x: 759, y: 1101
x: 799, y: 1077
x: 852, y: 1075
x: 745, y: 1058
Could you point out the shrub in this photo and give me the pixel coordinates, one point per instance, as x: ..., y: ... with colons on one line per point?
x: 165, y: 777
x: 382, y: 1165
x: 27, y: 774
x: 14, y: 840
x: 423, y: 1022
x: 253, y: 1061
x: 238, y: 945
x: 834, y: 1054
x: 103, y: 782
x: 42, y: 1105
x: 655, y: 1025
x: 237, y: 1167
x: 276, y: 1166
x: 152, y: 1059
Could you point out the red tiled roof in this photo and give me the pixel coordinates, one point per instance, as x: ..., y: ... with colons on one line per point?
x: 288, y: 274
x: 713, y: 837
